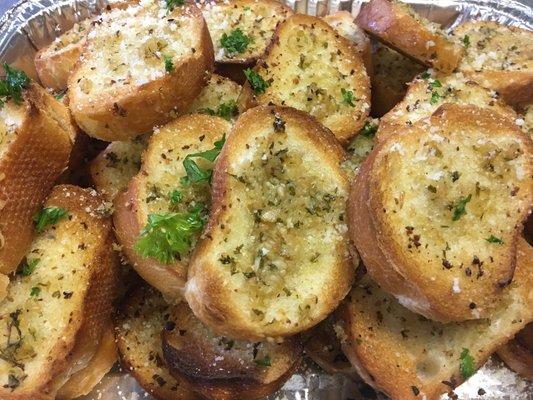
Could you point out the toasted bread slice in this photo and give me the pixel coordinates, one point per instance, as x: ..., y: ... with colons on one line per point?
x: 426, y: 94
x: 311, y: 67
x: 274, y: 258
x: 436, y: 211
x: 391, y: 73
x: 138, y: 331
x: 150, y: 192
x: 55, y: 62
x: 57, y: 308
x: 112, y: 169
x: 220, y: 368
x: 34, y: 150
x: 498, y: 57
x: 344, y: 23
x: 140, y: 67
x: 409, y: 357
x: 518, y: 352
x: 397, y: 25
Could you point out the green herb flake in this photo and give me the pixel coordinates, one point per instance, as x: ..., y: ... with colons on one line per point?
x: 435, y: 84
x: 171, y: 4
x: 195, y: 174
x: 425, y: 75
x: 225, y: 110
x: 59, y: 96
x: 169, y: 65
x: 234, y: 43
x: 435, y: 97
x: 459, y: 208
x: 467, y: 364
x: 48, y: 216
x: 258, y: 84
x: 264, y: 362
x: 369, y: 130
x: 29, y: 266
x: 347, y: 97
x: 466, y: 41
x: 494, y: 239
x: 167, y: 236
x: 175, y: 197
x: 12, y: 85
x: 35, y: 291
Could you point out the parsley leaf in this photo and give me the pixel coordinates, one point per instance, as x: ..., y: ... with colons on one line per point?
x: 13, y: 83
x: 347, y: 97
x: 48, y: 216
x: 258, y: 84
x: 171, y: 4
x: 169, y: 65
x: 35, y: 291
x: 459, y: 208
x: 467, y: 364
x: 168, y: 235
x: 369, y: 130
x: 265, y: 362
x: 435, y: 84
x: 435, y: 97
x: 494, y: 239
x: 234, y: 43
x: 224, y: 110
x: 466, y: 41
x: 425, y: 75
x: 194, y: 173
x: 29, y: 266
x: 175, y: 197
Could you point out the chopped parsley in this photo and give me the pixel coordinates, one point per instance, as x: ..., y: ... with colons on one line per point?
x: 425, y: 75
x: 347, y: 97
x: 59, y: 96
x: 234, y: 43
x: 494, y: 239
x: 175, y: 197
x: 171, y: 4
x: 435, y: 97
x: 48, y: 216
x: 369, y: 130
x: 258, y: 84
x: 166, y: 236
x: 466, y: 41
x: 467, y: 364
x: 459, y: 208
x: 264, y: 362
x: 169, y: 65
x: 195, y: 174
x: 12, y: 85
x: 29, y: 266
x: 435, y: 84
x: 35, y: 291
x: 225, y: 110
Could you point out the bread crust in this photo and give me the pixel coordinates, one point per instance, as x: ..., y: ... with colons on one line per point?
x: 220, y: 368
x: 434, y: 298
x: 518, y: 352
x: 132, y: 110
x: 207, y: 292
x: 29, y: 166
x: 397, y: 26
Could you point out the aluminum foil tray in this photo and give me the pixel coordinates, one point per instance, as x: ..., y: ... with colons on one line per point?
x: 28, y: 25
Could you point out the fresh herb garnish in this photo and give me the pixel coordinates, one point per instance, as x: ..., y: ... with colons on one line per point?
x: 459, y: 208
x: 347, y: 97
x: 425, y: 75
x: 195, y: 174
x: 264, y: 362
x: 166, y: 236
x: 369, y: 130
x: 234, y: 43
x: 12, y: 85
x: 59, y: 96
x: 435, y: 97
x: 225, y: 110
x: 467, y: 364
x: 435, y: 84
x: 29, y: 266
x: 494, y: 239
x: 258, y: 84
x: 48, y: 216
x: 466, y: 41
x: 175, y: 197
x: 171, y: 4
x: 35, y: 291
x: 169, y: 65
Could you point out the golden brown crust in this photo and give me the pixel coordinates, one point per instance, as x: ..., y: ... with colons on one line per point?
x: 438, y: 291
x: 221, y: 368
x: 518, y: 352
x: 134, y: 109
x: 29, y: 166
x: 396, y: 25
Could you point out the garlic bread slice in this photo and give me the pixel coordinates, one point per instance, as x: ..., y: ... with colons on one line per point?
x: 311, y: 67
x: 218, y: 367
x: 397, y: 25
x: 160, y: 217
x: 141, y: 67
x: 498, y: 57
x: 35, y: 144
x: 436, y: 211
x: 58, y: 306
x: 407, y: 356
x: 138, y: 328
x: 274, y: 258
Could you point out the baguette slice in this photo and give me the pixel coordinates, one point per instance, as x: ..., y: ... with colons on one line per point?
x: 391, y: 74
x: 426, y: 94
x: 141, y: 67
x: 397, y: 25
x: 34, y: 150
x: 221, y: 368
x: 112, y: 169
x: 498, y: 57
x: 311, y: 67
x: 138, y: 329
x: 409, y: 357
x: 436, y: 211
x: 518, y: 352
x: 149, y: 193
x: 55, y: 62
x: 53, y: 317
x: 274, y: 258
